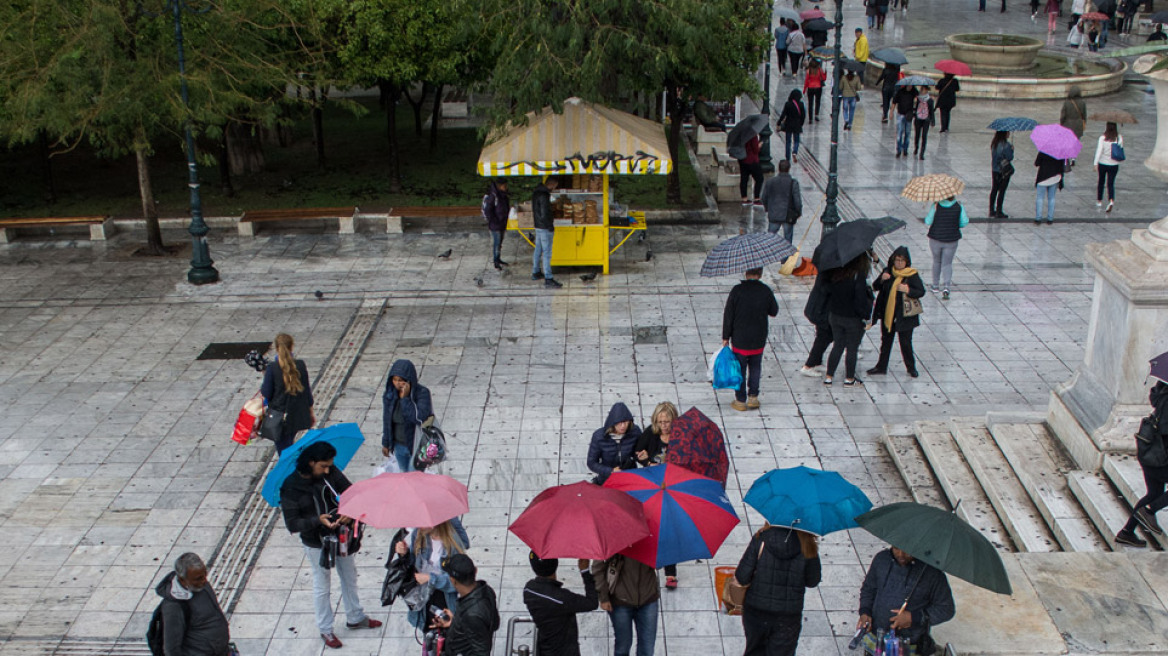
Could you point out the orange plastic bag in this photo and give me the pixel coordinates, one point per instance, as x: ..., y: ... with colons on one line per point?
x: 805, y: 268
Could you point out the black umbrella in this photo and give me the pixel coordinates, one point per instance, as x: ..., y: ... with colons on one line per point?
x: 852, y: 239
x: 1159, y: 18
x: 891, y: 56
x: 854, y: 66
x: 744, y: 131
x: 1105, y: 6
x: 818, y: 25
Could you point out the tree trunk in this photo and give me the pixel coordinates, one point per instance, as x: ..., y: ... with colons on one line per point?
x: 154, y: 245
x: 673, y: 106
x: 245, y: 148
x: 47, y: 167
x: 225, y: 166
x: 393, y: 92
x: 318, y: 126
x: 416, y: 106
x: 434, y: 117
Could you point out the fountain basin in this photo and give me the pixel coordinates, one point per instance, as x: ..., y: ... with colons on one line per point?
x: 995, y: 53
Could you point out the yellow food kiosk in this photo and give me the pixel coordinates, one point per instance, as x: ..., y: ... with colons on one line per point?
x: 586, y: 141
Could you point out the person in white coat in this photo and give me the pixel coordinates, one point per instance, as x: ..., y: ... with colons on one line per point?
x: 1107, y: 165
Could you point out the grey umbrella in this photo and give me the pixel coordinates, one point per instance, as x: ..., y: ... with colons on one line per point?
x: 786, y: 13
x: 743, y: 131
x: 854, y: 66
x: 891, y: 56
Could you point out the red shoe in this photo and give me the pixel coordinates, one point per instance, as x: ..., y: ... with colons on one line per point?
x: 331, y: 640
x: 367, y: 623
x: 671, y: 582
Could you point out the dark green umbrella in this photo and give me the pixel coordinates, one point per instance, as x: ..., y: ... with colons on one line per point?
x: 941, y: 539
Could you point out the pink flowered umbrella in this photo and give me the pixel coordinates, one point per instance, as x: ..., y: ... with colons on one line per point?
x: 1056, y: 141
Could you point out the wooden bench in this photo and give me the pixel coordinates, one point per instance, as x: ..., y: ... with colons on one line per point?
x: 346, y: 215
x: 100, y: 227
x: 396, y: 214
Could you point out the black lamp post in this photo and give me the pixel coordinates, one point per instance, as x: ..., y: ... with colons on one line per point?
x: 831, y: 218
x: 764, y: 152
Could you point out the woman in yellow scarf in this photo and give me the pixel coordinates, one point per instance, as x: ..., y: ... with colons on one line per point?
x: 898, y: 290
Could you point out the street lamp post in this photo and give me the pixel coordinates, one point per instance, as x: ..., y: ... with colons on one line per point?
x: 831, y: 218
x: 764, y: 152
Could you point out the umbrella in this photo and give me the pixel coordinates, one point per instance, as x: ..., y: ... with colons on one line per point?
x: 581, y: 520
x: 696, y: 443
x: 1056, y: 141
x: 689, y: 515
x: 786, y: 13
x: 745, y: 252
x: 1159, y: 367
x: 854, y: 66
x: 891, y: 56
x: 933, y: 187
x: 849, y: 240
x: 818, y: 25
x: 1114, y: 116
x: 939, y: 538
x: 824, y: 52
x: 1013, y: 124
x: 916, y: 81
x: 809, y: 14
x: 953, y: 66
x: 345, y: 438
x: 810, y: 500
x: 1160, y: 17
x: 744, y: 131
x: 396, y: 500
x: 1094, y: 16
x: 1105, y: 7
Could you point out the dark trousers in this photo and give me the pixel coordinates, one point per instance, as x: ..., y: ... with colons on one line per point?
x: 671, y: 570
x: 814, y: 101
x: 944, y: 111
x: 796, y: 57
x: 906, y: 352
x: 745, y: 173
x: 920, y: 135
x: 848, y: 332
x: 886, y: 101
x: 751, y: 375
x: 1155, y: 498
x: 770, y: 634
x: 781, y: 58
x: 823, y: 339
x: 998, y: 192
x: 1107, y: 173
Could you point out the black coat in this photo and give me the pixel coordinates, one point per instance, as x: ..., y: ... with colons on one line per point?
x: 745, y: 319
x: 779, y: 577
x: 304, y: 500
x: 947, y: 90
x: 472, y: 633
x: 816, y: 308
x: 905, y: 101
x: 1048, y: 167
x: 793, y: 116
x: 649, y: 442
x: 916, y: 289
x: 850, y: 298
x: 541, y: 208
x: 606, y: 453
x: 298, y: 406
x: 554, y: 610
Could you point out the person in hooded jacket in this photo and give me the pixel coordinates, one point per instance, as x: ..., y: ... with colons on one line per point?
x: 405, y: 407
x: 193, y: 624
x: 470, y: 631
x: 897, y: 282
x: 612, y: 446
x: 849, y: 304
x: 498, y: 210
x: 816, y: 312
x: 791, y: 121
x: 554, y: 608
x: 779, y: 565
x: 1155, y: 496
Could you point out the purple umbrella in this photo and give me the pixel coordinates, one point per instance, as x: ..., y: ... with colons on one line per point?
x: 1056, y: 141
x: 1159, y: 367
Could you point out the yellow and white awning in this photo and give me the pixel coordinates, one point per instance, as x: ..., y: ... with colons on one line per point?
x: 585, y: 138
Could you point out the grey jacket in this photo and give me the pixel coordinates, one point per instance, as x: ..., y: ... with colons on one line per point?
x: 782, y: 199
x: 206, y: 634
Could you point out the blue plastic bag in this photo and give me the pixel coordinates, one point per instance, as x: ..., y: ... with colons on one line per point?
x: 727, y: 371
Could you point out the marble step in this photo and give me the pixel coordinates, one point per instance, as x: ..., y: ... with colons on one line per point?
x: 1101, y: 503
x: 959, y: 483
x: 1015, y: 509
x: 1125, y: 474
x: 914, y: 469
x: 1042, y: 470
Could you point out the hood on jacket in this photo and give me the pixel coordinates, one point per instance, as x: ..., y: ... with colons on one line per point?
x: 1159, y: 394
x: 796, y: 95
x: 404, y: 369
x: 902, y: 251
x: 1074, y: 92
x: 165, y: 588
x: 782, y: 543
x: 619, y: 412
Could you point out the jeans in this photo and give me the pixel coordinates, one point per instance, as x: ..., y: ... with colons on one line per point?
x: 796, y: 57
x: 751, y: 375
x: 943, y: 252
x: 404, y: 457
x: 745, y: 173
x: 1048, y: 193
x: 1103, y: 33
x: 770, y: 634
x: 902, y: 125
x: 1155, y: 482
x: 849, y: 332
x: 787, y: 228
x: 1107, y: 173
x: 998, y: 192
x: 848, y: 105
x: 814, y: 101
x: 496, y: 245
x: 920, y: 136
x: 542, y: 256
x: 795, y: 137
x: 346, y: 570
x: 906, y: 351
x: 644, y: 618
x: 823, y: 339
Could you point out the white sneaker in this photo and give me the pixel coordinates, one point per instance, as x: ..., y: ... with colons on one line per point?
x: 811, y: 372
x: 1098, y: 203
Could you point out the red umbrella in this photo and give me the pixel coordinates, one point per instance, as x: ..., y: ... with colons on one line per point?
x: 811, y: 13
x: 953, y: 66
x: 581, y: 520
x: 696, y: 443
x: 406, y: 499
x: 1094, y: 16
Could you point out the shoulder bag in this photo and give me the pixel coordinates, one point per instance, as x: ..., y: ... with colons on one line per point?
x: 1117, y: 153
x: 733, y: 592
x: 1150, y: 448
x: 911, y: 307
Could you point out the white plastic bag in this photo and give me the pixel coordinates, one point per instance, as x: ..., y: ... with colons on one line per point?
x: 387, y: 467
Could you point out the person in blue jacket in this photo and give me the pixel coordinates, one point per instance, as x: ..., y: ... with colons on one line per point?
x: 405, y: 406
x: 612, y: 446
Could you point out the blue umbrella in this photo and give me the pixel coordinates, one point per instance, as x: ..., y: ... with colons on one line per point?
x: 744, y: 252
x: 809, y: 500
x: 345, y: 438
x: 1013, y: 124
x: 916, y: 81
x: 891, y: 56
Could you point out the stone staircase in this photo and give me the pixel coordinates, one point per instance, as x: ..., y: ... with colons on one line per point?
x: 1016, y: 483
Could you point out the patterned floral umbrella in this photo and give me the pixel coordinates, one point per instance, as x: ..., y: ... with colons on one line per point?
x: 933, y: 187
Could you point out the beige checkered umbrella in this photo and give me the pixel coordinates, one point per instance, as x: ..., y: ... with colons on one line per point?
x: 933, y: 187
x: 1114, y: 116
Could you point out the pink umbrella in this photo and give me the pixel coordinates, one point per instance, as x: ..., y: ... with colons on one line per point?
x: 404, y: 500
x: 953, y: 66
x: 1056, y: 141
x: 811, y: 13
x: 581, y: 520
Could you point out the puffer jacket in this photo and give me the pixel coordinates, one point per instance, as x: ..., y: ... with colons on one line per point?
x: 779, y: 577
x: 304, y: 500
x: 606, y: 452
x: 416, y: 406
x: 199, y: 630
x: 472, y: 633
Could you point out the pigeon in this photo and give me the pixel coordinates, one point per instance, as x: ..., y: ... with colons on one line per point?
x: 319, y: 295
x: 648, y: 255
x: 588, y: 277
x: 479, y: 280
x: 446, y: 255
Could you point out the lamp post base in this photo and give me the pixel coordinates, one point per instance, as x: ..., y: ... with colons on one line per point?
x: 202, y: 272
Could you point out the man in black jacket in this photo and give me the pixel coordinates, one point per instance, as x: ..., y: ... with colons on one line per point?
x: 554, y: 609
x: 470, y: 631
x: 541, y: 214
x: 902, y: 593
x: 496, y: 210
x: 309, y: 498
x: 779, y: 565
x: 744, y: 330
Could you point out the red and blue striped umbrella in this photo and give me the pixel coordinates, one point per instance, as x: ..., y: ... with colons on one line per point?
x: 689, y: 515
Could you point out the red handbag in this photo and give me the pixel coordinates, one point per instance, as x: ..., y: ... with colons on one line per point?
x: 248, y: 423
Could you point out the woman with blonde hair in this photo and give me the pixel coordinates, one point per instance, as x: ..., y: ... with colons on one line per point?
x: 650, y: 450
x: 285, y: 389
x: 430, y: 546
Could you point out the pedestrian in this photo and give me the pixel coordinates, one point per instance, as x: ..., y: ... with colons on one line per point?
x: 923, y: 118
x: 554, y: 608
x: 749, y: 167
x: 796, y: 46
x: 405, y: 409
x: 850, y: 86
x: 429, y: 546
x: 629, y: 592
x: 1128, y: 10
x: 1078, y: 8
x: 470, y: 630
x: 887, y: 81
x: 896, y: 284
x: 813, y: 83
x: 871, y: 10
x: 945, y: 220
x: 1073, y: 115
x: 1094, y: 36
x: 1155, y: 498
x: 947, y: 90
x: 545, y: 226
x: 860, y: 48
x: 906, y: 101
x: 781, y: 33
x: 1047, y: 184
x: 791, y: 123
x: 1076, y: 37
x: 849, y: 305
x: 286, y: 389
x: 497, y: 209
x: 1052, y: 12
x: 783, y: 201
x: 815, y: 311
x: 1106, y: 163
x: 881, y: 13
x: 1001, y: 169
x: 1158, y: 34
x: 744, y: 330
x: 611, y: 448
x: 193, y: 624
x: 1034, y: 10
x: 309, y: 498
x: 900, y: 592
x: 650, y: 450
x: 778, y: 565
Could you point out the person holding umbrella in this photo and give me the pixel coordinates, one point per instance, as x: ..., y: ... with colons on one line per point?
x: 429, y: 547
x: 1001, y: 168
x: 947, y: 90
x: 651, y: 450
x: 813, y: 82
x: 945, y: 220
x: 744, y: 330
x: 1046, y: 184
x: 849, y: 305
x: 611, y: 448
x: 1110, y: 144
x: 906, y: 100
x: 630, y: 593
x: 904, y: 594
x: 749, y: 167
x: 779, y: 565
x: 554, y: 608
x: 781, y: 33
x: 898, y: 282
x: 887, y: 81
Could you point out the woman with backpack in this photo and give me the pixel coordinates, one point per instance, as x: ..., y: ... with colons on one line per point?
x: 945, y: 220
x: 923, y: 118
x: 1108, y: 154
x: 779, y: 565
x: 1155, y: 496
x: 286, y: 390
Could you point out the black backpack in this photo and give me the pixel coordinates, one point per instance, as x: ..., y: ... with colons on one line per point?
x: 154, y: 631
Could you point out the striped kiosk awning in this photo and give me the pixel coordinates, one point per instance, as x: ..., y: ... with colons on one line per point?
x: 585, y: 138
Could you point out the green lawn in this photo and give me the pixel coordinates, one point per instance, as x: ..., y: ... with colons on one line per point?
x: 357, y: 150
